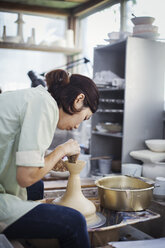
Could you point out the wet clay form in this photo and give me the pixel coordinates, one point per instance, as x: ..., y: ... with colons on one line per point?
x: 74, y: 197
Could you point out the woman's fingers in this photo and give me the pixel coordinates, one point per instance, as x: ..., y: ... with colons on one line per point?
x: 71, y: 147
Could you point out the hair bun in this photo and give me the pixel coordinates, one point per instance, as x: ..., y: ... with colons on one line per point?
x: 57, y: 78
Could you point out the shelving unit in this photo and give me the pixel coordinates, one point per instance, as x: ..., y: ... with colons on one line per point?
x: 138, y: 107
x: 117, y: 135
x: 42, y: 48
x: 110, y: 109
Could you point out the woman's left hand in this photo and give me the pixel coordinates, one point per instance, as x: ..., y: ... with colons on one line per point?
x: 71, y: 147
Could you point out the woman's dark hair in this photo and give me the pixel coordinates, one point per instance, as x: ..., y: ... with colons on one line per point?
x: 64, y: 89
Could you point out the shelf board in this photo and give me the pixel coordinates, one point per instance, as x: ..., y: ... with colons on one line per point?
x: 114, y: 101
x: 110, y: 88
x: 41, y: 48
x: 117, y: 46
x: 117, y: 135
x: 110, y: 111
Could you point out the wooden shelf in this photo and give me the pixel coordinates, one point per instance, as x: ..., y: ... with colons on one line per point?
x: 41, y: 48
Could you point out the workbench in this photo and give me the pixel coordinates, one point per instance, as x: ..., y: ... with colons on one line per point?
x: 117, y: 223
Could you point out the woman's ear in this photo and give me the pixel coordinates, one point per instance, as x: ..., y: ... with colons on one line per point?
x: 78, y: 102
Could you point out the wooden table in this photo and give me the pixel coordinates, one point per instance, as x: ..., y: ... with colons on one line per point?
x: 61, y: 184
x: 54, y: 187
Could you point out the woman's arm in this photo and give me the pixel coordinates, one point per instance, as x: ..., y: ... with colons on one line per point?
x: 27, y: 176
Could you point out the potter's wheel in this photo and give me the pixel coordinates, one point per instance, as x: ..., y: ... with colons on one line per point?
x: 100, y: 221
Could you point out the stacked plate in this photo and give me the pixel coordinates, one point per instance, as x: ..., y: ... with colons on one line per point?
x: 143, y: 27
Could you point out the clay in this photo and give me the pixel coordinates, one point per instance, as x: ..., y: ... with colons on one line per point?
x: 74, y: 197
x: 73, y: 158
x: 60, y: 166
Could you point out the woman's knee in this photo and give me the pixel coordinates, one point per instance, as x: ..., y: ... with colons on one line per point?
x: 79, y: 219
x: 76, y: 231
x: 76, y: 221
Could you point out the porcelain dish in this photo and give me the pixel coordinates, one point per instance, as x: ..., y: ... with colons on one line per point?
x: 145, y: 28
x: 140, y: 20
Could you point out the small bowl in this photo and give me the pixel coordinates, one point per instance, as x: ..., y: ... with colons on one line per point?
x: 114, y: 35
x: 156, y: 145
x: 143, y: 20
x: 109, y: 127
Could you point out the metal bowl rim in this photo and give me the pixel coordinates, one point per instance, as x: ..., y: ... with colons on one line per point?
x: 122, y: 190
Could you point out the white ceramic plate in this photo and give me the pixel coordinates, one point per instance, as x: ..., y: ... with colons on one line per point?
x: 59, y: 174
x: 100, y: 129
x: 112, y: 41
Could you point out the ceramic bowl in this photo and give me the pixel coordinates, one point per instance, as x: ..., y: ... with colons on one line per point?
x: 156, y: 145
x: 143, y: 20
x: 109, y: 127
x: 114, y: 35
x: 118, y: 35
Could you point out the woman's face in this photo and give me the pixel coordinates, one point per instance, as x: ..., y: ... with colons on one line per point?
x: 69, y: 122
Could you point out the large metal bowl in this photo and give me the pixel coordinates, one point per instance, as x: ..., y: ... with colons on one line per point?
x: 124, y: 193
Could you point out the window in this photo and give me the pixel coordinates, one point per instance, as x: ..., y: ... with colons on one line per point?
x: 16, y: 63
x: 153, y: 8
x: 95, y: 29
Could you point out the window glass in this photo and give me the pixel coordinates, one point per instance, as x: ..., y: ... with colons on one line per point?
x: 153, y: 8
x: 16, y: 63
x: 95, y: 29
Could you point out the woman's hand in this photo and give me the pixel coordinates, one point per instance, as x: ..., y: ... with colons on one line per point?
x: 71, y: 147
x: 60, y: 166
x: 26, y: 176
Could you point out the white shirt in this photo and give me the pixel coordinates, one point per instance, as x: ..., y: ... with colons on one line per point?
x: 28, y: 119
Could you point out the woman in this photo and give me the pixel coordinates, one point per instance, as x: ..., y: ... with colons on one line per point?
x: 28, y: 119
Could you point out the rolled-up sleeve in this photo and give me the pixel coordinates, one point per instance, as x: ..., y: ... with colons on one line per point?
x: 38, y: 123
x: 30, y: 158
